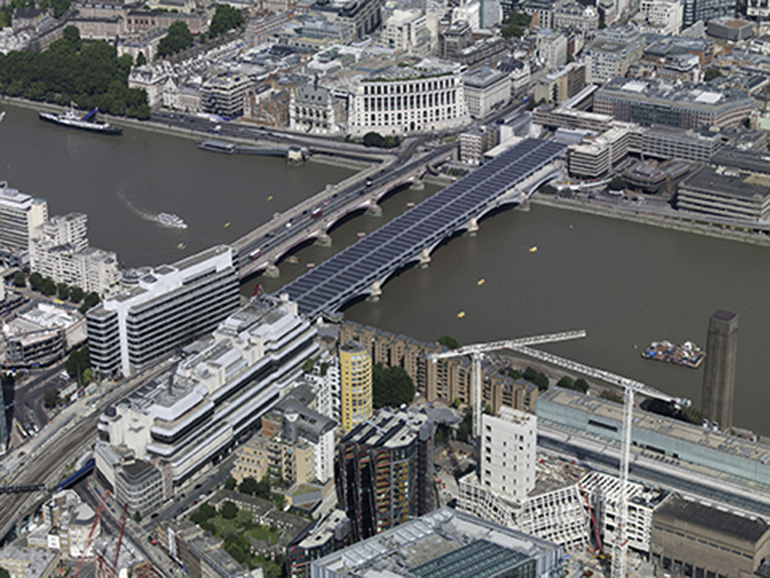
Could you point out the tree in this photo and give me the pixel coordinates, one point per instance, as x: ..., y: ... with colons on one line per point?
x: 89, y: 301
x: 448, y: 342
x: 51, y: 398
x: 230, y: 483
x: 711, y: 74
x: 48, y: 287
x: 391, y: 386
x: 19, y: 280
x: 72, y: 35
x: 77, y: 362
x: 514, y: 374
x: 137, y: 516
x: 4, y: 573
x: 228, y: 510
x: 204, y: 513
x: 617, y: 183
x: 373, y: 139
x: 35, y: 281
x: 141, y: 60
x: 536, y: 377
x: 225, y: 18
x: 178, y: 39
x: 566, y: 382
x: 63, y: 291
x: 76, y: 294
x: 517, y: 25
x: 581, y: 385
x: 249, y: 486
x: 611, y: 395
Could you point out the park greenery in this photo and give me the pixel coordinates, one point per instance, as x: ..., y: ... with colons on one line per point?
x: 236, y: 527
x: 449, y: 342
x: 578, y: 384
x: 78, y: 365
x: 177, y: 40
x: 517, y: 24
x: 391, y: 386
x: 536, y: 377
x: 259, y: 489
x: 375, y: 139
x: 225, y: 18
x: 711, y: 74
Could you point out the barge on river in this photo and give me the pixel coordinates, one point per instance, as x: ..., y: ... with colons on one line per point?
x: 687, y: 354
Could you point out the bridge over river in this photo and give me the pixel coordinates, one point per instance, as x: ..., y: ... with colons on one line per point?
x: 363, y: 268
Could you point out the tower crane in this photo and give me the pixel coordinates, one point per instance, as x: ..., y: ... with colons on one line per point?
x: 630, y: 387
x: 477, y: 351
x: 98, y: 514
x: 123, y: 517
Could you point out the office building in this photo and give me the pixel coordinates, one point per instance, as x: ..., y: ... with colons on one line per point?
x: 425, y: 97
x: 719, y: 372
x: 23, y: 561
x: 384, y: 471
x: 541, y: 12
x: 560, y: 85
x: 407, y: 31
x: 355, y: 385
x: 662, y: 16
x: 486, y: 90
x: 684, y: 105
x: 223, y: 94
x: 19, y: 215
x: 694, y: 539
x: 668, y: 142
x: 731, y: 194
x: 599, y: 155
x: 730, y: 28
x: 551, y: 48
x: 139, y: 485
x: 162, y: 309
x: 574, y: 16
x: 327, y: 535
x: 705, y: 10
x: 193, y: 414
x: 613, y: 51
x: 445, y: 543
x: 759, y: 9
x: 507, y: 463
x: 59, y: 249
x: 67, y: 522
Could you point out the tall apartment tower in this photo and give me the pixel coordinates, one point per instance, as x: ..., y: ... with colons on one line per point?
x: 508, y: 443
x: 384, y: 471
x: 355, y: 385
x: 161, y: 310
x: 719, y: 376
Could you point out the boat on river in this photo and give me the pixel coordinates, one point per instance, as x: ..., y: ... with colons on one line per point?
x: 171, y: 220
x: 688, y: 354
x: 71, y: 119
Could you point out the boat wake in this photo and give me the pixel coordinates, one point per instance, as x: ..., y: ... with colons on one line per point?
x: 146, y: 215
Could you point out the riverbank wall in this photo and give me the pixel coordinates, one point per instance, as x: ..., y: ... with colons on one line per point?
x: 676, y: 223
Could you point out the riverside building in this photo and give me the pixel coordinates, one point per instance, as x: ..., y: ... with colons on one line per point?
x: 19, y: 215
x: 189, y: 417
x: 162, y: 309
x: 355, y: 385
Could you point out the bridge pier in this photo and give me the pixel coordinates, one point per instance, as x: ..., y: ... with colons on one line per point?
x: 376, y: 292
x: 417, y: 185
x: 272, y: 271
x: 323, y: 239
x: 424, y: 258
x: 523, y: 206
x: 374, y: 210
x: 473, y: 227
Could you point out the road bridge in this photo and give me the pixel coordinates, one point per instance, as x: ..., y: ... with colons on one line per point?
x: 363, y: 268
x: 263, y: 247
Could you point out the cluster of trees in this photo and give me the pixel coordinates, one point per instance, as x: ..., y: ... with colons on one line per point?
x: 391, y: 386
x: 51, y: 398
x: 89, y: 74
x: 537, y: 377
x: 375, y: 139
x: 9, y: 9
x: 611, y: 395
x: 711, y: 74
x: 259, y: 489
x: 517, y: 24
x: 449, y: 342
x: 578, y: 384
x: 49, y: 287
x: 225, y: 18
x: 178, y: 39
x: 78, y: 365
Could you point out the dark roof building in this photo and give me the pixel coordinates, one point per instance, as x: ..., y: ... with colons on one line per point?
x: 692, y: 539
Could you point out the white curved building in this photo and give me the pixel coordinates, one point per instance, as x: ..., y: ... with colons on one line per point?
x: 403, y: 100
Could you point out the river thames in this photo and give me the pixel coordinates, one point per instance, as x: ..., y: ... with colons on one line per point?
x: 627, y: 284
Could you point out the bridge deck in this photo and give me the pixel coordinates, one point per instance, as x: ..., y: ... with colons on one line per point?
x: 378, y: 255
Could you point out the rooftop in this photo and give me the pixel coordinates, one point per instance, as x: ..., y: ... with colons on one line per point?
x: 729, y: 183
x: 713, y: 519
x: 686, y: 92
x: 756, y: 161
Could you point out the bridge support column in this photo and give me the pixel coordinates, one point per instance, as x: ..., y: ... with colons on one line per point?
x: 376, y: 291
x: 417, y: 185
x: 374, y: 210
x: 272, y: 271
x: 473, y: 227
x: 424, y: 259
x: 523, y: 206
x: 323, y: 239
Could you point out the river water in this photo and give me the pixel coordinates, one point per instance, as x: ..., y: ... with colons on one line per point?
x: 626, y: 284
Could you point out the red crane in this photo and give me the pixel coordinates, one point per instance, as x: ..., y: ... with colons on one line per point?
x: 99, y: 510
x: 120, y: 538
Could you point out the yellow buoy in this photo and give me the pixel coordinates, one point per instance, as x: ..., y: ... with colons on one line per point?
x: 533, y: 249
x: 480, y: 282
x: 270, y: 198
x: 181, y: 246
x: 227, y: 224
x: 461, y: 315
